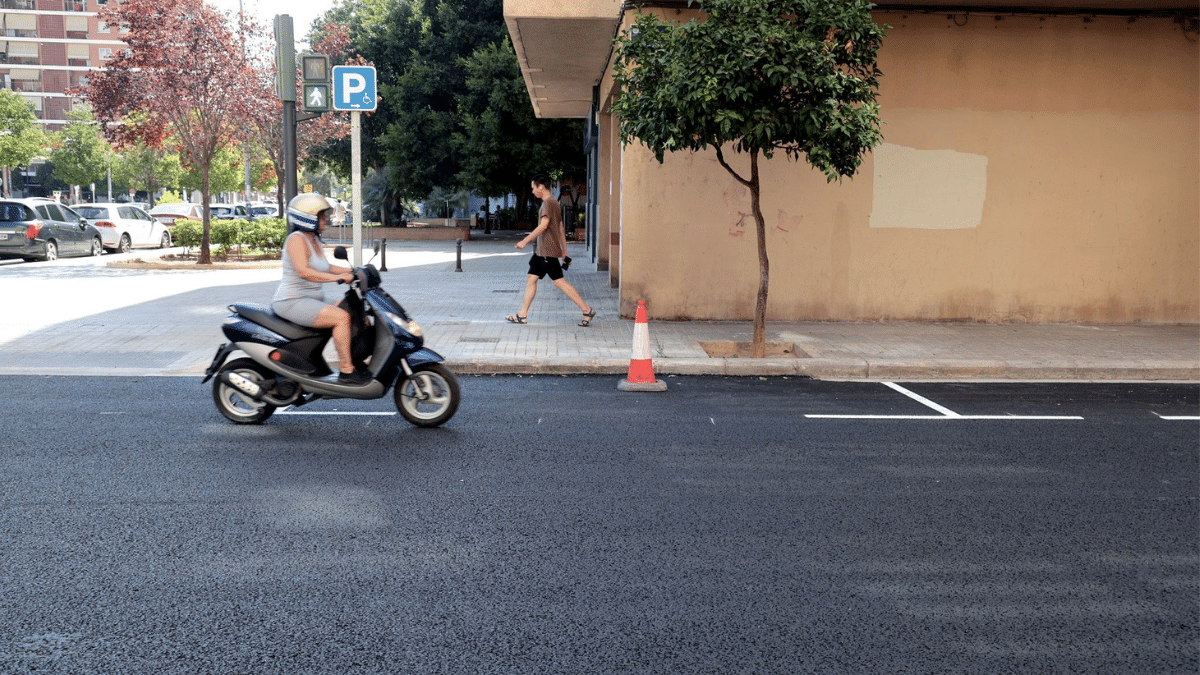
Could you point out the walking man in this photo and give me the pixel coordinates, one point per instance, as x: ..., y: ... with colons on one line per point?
x: 551, y: 245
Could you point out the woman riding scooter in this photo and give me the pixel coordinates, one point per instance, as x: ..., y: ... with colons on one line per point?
x: 300, y: 297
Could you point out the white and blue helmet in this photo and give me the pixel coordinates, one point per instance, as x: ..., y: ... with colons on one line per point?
x: 304, y: 210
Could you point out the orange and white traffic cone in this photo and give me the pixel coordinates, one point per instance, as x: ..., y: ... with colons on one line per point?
x: 641, y: 366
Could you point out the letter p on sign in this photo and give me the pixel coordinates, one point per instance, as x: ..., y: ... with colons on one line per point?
x: 354, y: 88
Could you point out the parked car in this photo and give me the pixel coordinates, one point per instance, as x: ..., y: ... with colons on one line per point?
x: 42, y: 229
x: 228, y: 211
x: 167, y: 214
x: 123, y: 226
x: 264, y: 211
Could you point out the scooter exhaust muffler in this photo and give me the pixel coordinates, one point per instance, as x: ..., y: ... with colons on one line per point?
x: 242, y: 384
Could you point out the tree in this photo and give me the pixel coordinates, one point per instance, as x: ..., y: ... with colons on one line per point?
x: 499, y: 141
x: 148, y: 168
x: 187, y: 75
x: 21, y: 139
x: 225, y: 172
x: 793, y: 75
x: 80, y: 156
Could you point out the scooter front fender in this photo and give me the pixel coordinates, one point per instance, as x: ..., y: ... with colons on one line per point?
x: 423, y: 356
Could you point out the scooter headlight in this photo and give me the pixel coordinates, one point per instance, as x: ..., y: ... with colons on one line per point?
x: 411, y: 326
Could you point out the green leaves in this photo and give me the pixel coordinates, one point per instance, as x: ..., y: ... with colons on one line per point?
x: 24, y: 139
x: 797, y: 76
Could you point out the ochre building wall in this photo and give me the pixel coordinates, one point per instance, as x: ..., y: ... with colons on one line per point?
x: 1034, y: 169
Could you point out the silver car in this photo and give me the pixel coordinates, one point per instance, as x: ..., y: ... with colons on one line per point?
x: 169, y: 213
x: 123, y: 226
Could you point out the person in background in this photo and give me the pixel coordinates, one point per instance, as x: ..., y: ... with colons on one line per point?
x: 551, y: 245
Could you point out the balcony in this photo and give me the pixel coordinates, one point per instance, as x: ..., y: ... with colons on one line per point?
x: 26, y: 85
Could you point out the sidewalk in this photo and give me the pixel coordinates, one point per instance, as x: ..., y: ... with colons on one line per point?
x: 87, y: 317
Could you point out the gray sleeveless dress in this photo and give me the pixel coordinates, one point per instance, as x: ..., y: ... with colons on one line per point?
x: 297, y: 299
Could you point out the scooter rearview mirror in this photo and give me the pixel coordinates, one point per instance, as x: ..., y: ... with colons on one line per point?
x: 340, y: 253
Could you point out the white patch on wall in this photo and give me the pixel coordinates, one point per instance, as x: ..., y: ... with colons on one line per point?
x: 928, y: 189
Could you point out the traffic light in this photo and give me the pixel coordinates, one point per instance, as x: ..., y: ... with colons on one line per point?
x: 316, y: 82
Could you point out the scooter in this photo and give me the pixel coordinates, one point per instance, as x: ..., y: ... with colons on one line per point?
x: 284, y: 365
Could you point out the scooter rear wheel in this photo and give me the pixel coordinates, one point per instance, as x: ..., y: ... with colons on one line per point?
x: 429, y: 397
x: 235, y: 405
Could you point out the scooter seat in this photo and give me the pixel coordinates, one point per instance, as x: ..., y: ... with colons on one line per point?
x: 263, y: 316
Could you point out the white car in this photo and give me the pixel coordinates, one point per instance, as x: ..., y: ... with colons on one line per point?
x: 228, y: 211
x: 123, y: 226
x: 264, y: 211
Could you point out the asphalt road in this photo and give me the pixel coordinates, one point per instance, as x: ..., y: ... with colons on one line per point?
x: 556, y: 525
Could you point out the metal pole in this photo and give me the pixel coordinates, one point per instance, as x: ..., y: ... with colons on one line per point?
x: 285, y: 64
x: 383, y: 254
x: 458, y: 264
x: 245, y: 144
x: 356, y: 181
x: 289, y: 151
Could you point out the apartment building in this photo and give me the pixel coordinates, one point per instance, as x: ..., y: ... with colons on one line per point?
x: 50, y: 46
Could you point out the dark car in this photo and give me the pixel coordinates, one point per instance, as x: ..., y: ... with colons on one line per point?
x: 41, y: 229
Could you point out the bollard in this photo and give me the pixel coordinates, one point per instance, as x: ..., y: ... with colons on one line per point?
x: 458, y: 264
x: 383, y: 254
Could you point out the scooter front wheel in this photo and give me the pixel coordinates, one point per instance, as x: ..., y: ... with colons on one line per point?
x: 236, y: 405
x: 429, y: 397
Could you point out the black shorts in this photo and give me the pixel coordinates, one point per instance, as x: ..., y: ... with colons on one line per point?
x: 541, y: 266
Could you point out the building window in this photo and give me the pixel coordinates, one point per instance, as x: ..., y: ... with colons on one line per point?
x: 105, y: 53
x: 76, y: 5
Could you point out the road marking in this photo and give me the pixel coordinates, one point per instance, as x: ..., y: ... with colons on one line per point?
x: 922, y: 400
x: 1187, y: 418
x: 946, y: 413
x: 289, y: 411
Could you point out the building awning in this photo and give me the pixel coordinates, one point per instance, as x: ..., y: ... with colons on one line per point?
x: 564, y: 46
x: 24, y: 49
x: 20, y: 21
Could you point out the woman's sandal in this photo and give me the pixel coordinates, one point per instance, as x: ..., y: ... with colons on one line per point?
x: 587, y: 318
x: 514, y: 318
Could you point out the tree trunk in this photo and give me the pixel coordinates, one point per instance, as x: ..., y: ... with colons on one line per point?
x: 764, y: 266
x: 205, y: 241
x: 760, y: 231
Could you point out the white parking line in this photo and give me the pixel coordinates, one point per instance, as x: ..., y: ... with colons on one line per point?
x: 922, y: 400
x: 289, y: 411
x: 946, y: 413
x: 1175, y: 418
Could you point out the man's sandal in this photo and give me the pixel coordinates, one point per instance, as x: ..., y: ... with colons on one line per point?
x: 587, y: 318
x: 514, y: 318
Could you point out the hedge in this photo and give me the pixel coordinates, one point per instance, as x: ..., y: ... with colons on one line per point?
x: 261, y: 234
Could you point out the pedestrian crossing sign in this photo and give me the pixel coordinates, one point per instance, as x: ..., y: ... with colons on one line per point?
x: 316, y: 97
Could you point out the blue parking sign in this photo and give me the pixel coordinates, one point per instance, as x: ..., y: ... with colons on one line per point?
x: 354, y: 88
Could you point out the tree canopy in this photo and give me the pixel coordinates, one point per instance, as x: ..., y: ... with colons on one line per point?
x: 797, y: 76
x: 23, y: 139
x: 79, y: 155
x: 453, y: 111
x: 187, y: 76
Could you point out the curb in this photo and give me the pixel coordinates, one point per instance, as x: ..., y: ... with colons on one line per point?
x: 836, y: 369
